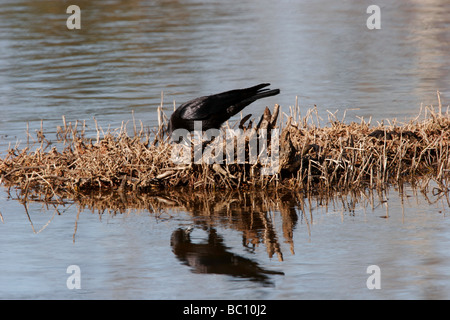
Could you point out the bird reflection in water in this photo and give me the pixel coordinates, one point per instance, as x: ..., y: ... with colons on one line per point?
x: 212, y: 256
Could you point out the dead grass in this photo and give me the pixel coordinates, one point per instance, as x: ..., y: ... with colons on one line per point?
x: 313, y: 157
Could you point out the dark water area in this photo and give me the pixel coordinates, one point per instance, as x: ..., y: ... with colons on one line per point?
x: 128, y: 54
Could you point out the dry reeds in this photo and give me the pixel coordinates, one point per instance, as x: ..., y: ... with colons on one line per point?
x: 351, y: 155
x: 312, y: 157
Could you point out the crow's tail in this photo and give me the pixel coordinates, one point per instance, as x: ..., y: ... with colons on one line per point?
x: 256, y: 92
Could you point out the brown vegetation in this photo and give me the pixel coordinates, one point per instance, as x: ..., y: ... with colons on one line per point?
x: 313, y: 158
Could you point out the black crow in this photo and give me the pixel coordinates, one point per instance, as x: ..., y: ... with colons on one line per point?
x: 215, y: 109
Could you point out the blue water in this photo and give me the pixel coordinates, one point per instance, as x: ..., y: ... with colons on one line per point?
x: 127, y: 55
x: 324, y: 256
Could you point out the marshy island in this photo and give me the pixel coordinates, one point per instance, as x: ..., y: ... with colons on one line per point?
x: 313, y: 156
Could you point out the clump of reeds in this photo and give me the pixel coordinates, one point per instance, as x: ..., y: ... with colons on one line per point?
x: 349, y: 155
x: 312, y: 157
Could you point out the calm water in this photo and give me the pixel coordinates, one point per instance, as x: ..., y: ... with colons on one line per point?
x: 242, y: 246
x: 128, y: 52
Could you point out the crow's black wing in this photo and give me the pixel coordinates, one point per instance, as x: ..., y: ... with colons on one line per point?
x: 225, y: 104
x: 196, y: 109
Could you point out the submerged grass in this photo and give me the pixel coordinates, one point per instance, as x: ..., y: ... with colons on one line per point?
x: 313, y: 158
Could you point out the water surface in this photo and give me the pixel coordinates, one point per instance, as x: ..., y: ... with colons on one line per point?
x: 241, y: 246
x: 128, y: 53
